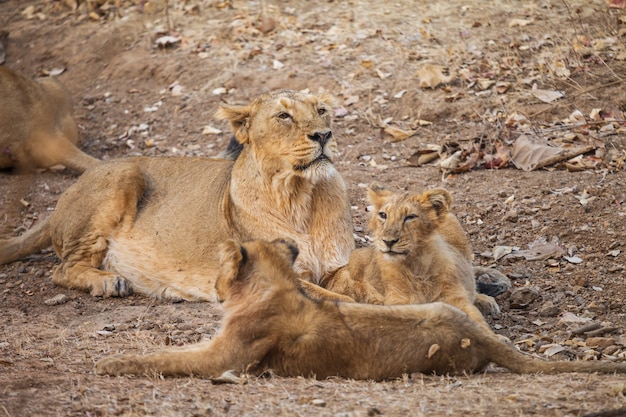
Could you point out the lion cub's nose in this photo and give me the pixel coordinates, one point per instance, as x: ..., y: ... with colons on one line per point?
x: 321, y: 137
x: 390, y: 243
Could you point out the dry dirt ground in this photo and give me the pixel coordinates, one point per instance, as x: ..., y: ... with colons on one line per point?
x: 564, y: 225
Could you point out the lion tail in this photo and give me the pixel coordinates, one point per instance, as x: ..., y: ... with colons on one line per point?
x: 509, y: 357
x: 33, y: 240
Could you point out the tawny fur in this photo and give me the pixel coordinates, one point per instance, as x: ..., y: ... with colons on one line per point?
x: 420, y: 254
x: 152, y: 225
x: 37, y: 129
x: 269, y: 324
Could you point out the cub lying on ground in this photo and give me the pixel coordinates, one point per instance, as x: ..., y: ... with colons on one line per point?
x: 269, y: 324
x: 37, y: 129
x: 420, y: 254
x: 153, y: 225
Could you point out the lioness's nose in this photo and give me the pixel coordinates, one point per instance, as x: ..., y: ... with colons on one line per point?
x: 321, y: 137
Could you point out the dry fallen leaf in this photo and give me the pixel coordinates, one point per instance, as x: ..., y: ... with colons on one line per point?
x: 210, y: 130
x: 451, y: 162
x: 528, y: 153
x: 573, y: 259
x: 430, y: 76
x: 547, y: 96
x: 552, y: 349
x: 398, y: 134
x: 166, y: 41
x: 420, y: 158
x: 519, y: 22
x: 229, y: 377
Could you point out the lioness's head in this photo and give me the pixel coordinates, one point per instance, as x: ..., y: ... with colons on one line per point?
x: 286, y: 130
x: 255, y: 269
x: 402, y: 222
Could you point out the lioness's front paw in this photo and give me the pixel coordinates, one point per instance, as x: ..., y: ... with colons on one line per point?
x: 112, y: 286
x: 117, y: 365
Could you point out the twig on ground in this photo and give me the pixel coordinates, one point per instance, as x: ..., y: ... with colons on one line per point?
x: 563, y: 157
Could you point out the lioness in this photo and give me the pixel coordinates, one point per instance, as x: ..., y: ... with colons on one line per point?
x: 153, y: 225
x: 269, y: 324
x: 37, y: 129
x: 420, y: 254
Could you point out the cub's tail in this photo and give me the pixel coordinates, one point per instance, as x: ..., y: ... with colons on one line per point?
x: 509, y: 357
x: 33, y: 240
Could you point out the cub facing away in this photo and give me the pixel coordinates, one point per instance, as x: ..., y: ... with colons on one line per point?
x: 269, y: 324
x: 420, y: 254
x: 37, y: 129
x: 153, y: 225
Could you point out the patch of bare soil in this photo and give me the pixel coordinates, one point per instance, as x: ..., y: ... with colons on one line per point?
x: 463, y: 78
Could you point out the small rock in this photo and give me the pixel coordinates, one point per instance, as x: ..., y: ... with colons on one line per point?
x: 57, y: 300
x: 601, y: 342
x: 511, y: 216
x: 549, y: 310
x: 523, y: 297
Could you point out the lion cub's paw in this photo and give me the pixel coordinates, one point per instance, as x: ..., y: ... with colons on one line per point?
x: 487, y: 304
x: 111, y: 286
x: 118, y: 365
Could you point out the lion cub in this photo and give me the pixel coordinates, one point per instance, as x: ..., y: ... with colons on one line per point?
x: 269, y: 324
x: 37, y: 129
x: 420, y: 254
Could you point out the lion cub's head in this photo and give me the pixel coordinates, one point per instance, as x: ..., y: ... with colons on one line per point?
x: 286, y: 130
x: 402, y: 223
x: 253, y: 270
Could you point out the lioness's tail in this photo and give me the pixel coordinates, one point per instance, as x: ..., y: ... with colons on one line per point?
x: 33, y: 240
x: 507, y: 356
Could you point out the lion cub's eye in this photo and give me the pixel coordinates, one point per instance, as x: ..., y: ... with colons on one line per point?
x: 382, y: 215
x: 321, y: 111
x: 283, y: 115
x: 410, y: 217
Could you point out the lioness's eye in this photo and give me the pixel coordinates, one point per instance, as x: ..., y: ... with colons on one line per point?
x: 382, y: 215
x: 410, y: 217
x: 321, y: 111
x: 283, y: 115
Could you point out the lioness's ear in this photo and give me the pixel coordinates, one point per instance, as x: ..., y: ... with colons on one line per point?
x: 238, y: 118
x: 439, y: 199
x: 232, y: 257
x: 378, y: 194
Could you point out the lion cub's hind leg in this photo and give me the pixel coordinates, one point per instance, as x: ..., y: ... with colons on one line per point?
x: 101, y: 204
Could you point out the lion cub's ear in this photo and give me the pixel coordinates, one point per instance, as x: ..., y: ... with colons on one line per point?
x: 232, y: 257
x: 439, y: 199
x: 328, y: 99
x: 378, y: 194
x: 238, y: 117
x: 290, y: 245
